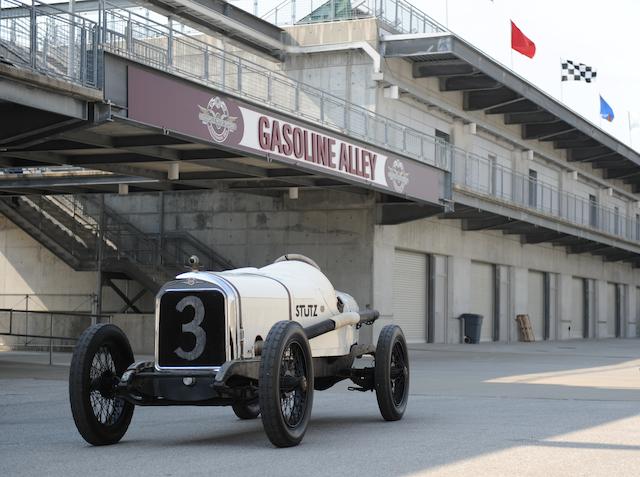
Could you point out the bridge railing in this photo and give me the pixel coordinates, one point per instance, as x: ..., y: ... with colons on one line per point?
x: 61, y: 44
x: 50, y: 41
x: 485, y: 176
x: 397, y: 16
x: 134, y: 36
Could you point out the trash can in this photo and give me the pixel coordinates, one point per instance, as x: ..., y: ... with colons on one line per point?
x: 472, y: 325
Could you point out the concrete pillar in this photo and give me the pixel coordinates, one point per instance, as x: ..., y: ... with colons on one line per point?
x: 625, y: 310
x: 383, y: 256
x: 460, y: 137
x: 519, y: 299
x: 565, y: 304
x: 632, y: 314
x: 592, y: 311
x: 554, y: 304
x: 439, y: 298
x: 503, y: 301
x: 459, y: 290
x: 601, y: 311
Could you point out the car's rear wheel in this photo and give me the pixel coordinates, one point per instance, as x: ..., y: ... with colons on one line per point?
x: 246, y: 409
x: 286, y: 384
x: 100, y: 357
x: 392, y: 373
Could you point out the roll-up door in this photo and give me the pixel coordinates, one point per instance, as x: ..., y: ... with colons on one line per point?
x: 482, y: 296
x: 611, y: 310
x: 577, y: 308
x: 410, y: 291
x: 535, y: 308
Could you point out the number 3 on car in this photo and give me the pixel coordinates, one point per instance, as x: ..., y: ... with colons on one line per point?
x: 193, y: 327
x: 258, y: 340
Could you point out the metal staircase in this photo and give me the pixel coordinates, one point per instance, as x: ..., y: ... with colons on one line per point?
x: 89, y: 236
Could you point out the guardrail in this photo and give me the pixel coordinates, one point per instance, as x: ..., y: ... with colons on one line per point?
x: 15, y: 323
x: 398, y: 16
x: 51, y: 41
x: 130, y: 35
x: 133, y: 36
x: 70, y: 46
x: 485, y: 176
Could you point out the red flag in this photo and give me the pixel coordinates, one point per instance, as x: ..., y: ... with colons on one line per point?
x: 521, y: 43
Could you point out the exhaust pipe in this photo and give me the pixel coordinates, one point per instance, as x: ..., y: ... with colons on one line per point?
x: 364, y: 317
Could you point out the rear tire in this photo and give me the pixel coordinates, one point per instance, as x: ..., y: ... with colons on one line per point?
x: 392, y: 373
x: 286, y: 384
x: 246, y: 410
x: 100, y: 357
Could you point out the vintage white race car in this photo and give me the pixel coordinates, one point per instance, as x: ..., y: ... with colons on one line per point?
x: 259, y: 340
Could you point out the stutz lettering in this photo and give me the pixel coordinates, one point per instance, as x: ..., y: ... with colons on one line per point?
x: 293, y: 141
x: 306, y: 311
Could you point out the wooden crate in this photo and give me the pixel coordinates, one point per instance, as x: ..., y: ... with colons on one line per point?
x: 526, y: 332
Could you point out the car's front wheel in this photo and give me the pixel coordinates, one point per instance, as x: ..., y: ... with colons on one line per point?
x: 392, y: 373
x: 100, y: 357
x: 286, y: 384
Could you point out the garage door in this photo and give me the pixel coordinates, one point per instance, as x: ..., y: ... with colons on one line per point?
x: 535, y: 307
x: 410, y: 286
x: 482, y: 296
x: 611, y: 310
x: 577, y: 308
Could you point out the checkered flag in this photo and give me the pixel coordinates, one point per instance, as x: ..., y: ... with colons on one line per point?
x: 572, y: 71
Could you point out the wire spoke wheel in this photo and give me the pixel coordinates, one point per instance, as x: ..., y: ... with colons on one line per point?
x: 391, y: 373
x: 107, y: 408
x: 398, y: 373
x: 293, y: 385
x: 285, y: 384
x: 102, y: 354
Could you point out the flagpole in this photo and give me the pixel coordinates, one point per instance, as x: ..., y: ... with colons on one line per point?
x: 629, y: 124
x: 561, y: 83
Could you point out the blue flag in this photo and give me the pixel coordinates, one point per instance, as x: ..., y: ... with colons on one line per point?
x: 605, y: 110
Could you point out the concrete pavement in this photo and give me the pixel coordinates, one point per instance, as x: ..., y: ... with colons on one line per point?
x: 559, y: 408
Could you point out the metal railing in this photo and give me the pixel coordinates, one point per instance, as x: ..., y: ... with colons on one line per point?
x: 397, y: 16
x: 486, y: 177
x: 50, y: 41
x: 130, y: 35
x: 91, y: 231
x: 38, y: 327
x: 133, y: 36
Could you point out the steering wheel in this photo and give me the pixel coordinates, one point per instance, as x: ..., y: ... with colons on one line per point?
x: 297, y: 257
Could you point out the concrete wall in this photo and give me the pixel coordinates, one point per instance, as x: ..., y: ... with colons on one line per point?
x: 445, y: 238
x: 334, y: 228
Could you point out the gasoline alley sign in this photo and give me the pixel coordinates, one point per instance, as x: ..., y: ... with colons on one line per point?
x: 188, y: 109
x: 294, y: 142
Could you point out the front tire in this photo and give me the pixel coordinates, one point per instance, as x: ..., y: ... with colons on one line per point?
x: 100, y: 357
x: 286, y: 384
x: 392, y: 373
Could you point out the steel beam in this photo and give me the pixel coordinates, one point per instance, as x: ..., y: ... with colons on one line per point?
x: 588, y: 247
x: 468, y: 83
x: 540, y: 237
x: 485, y: 223
x: 520, y: 106
x: 616, y: 257
x: 575, y: 143
x: 529, y: 117
x: 545, y: 130
x: 424, y: 69
x: 485, y: 99
x: 585, y: 153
